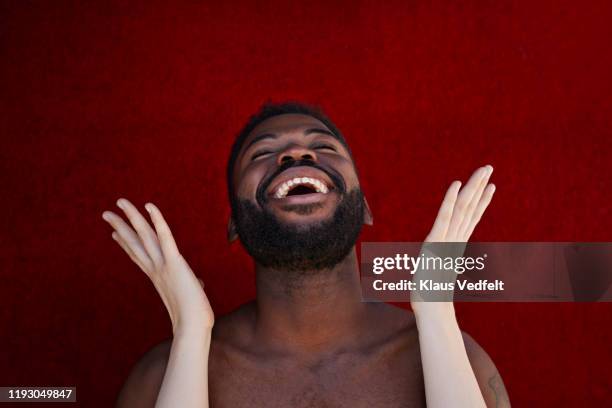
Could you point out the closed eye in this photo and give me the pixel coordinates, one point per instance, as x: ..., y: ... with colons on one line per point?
x: 260, y: 154
x: 324, y: 147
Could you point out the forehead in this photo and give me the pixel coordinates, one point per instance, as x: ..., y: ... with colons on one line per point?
x: 285, y: 123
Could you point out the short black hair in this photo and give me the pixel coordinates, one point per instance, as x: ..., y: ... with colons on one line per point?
x: 267, y: 111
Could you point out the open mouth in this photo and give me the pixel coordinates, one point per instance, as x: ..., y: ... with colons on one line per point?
x: 300, y: 186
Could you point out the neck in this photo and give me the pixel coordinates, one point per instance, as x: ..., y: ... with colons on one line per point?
x: 315, y: 310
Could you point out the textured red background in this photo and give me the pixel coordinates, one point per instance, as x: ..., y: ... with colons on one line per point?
x: 143, y: 101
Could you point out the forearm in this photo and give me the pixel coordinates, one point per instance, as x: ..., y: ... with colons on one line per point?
x: 449, y: 378
x: 185, y: 382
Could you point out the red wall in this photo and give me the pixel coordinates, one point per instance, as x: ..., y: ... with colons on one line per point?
x: 143, y: 101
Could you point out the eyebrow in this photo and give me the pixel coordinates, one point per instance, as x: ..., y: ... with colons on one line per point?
x: 309, y: 131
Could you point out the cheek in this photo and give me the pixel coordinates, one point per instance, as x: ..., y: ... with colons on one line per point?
x: 347, y: 171
x: 249, y: 181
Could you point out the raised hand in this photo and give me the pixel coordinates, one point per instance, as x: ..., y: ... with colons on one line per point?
x: 459, y: 214
x: 156, y: 253
x: 461, y: 211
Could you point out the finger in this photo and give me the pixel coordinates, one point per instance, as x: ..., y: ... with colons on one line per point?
x: 201, y: 283
x: 129, y: 251
x: 463, y: 200
x: 440, y: 227
x: 469, y: 213
x: 129, y: 237
x: 166, y: 240
x: 144, y: 230
x: 487, y: 196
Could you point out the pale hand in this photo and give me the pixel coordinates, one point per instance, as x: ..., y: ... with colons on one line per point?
x: 459, y: 214
x: 156, y: 253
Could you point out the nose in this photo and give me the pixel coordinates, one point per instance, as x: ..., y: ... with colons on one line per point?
x: 295, y: 153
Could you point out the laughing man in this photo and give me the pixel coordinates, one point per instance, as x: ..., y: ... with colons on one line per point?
x: 307, y: 340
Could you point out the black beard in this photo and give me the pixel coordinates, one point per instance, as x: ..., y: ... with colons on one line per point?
x: 299, y: 248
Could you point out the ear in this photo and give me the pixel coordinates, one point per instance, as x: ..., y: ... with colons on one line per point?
x: 368, y: 219
x: 232, y: 234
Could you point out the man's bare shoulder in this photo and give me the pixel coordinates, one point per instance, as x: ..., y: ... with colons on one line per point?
x: 144, y: 381
x: 488, y: 377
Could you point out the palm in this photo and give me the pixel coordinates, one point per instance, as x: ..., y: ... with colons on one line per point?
x: 460, y: 212
x: 156, y: 253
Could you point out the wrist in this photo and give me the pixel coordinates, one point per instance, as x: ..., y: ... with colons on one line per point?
x: 193, y: 331
x: 435, y: 329
x: 434, y: 313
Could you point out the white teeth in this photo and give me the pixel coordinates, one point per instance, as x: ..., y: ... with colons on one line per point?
x: 284, y: 188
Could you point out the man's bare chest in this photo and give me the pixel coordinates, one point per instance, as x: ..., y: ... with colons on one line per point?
x: 390, y: 380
